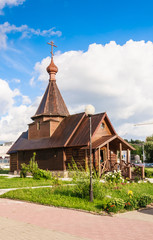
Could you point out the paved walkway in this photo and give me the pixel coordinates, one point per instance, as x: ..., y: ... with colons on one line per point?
x: 28, y: 221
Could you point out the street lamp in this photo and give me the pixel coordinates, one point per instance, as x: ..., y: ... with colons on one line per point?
x: 89, y: 111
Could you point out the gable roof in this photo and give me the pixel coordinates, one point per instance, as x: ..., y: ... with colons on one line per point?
x: 101, y: 142
x: 73, y: 131
x: 59, y: 138
x: 81, y: 136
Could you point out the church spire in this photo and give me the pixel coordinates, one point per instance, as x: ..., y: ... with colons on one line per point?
x: 52, y: 68
x: 52, y: 103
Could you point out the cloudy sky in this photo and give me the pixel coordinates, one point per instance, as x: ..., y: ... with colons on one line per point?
x: 104, y: 57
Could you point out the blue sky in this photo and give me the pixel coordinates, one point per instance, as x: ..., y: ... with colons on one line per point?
x: 27, y: 25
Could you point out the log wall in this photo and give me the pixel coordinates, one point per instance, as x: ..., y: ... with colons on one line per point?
x: 13, y: 162
x: 51, y: 159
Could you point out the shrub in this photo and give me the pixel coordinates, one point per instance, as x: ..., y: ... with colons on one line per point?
x: 33, y: 165
x: 114, y: 177
x: 115, y: 205
x: 40, y: 173
x: 144, y: 200
x: 131, y: 203
x: 148, y: 174
x: 24, y: 170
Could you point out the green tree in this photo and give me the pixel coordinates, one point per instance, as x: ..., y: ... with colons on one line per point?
x: 137, y: 144
x: 138, y: 150
x: 149, y: 149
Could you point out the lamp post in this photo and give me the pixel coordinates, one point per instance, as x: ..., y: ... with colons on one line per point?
x: 89, y: 111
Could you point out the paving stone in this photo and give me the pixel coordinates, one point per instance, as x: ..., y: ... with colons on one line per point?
x: 32, y: 221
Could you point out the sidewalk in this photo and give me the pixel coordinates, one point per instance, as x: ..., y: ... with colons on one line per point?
x: 28, y: 221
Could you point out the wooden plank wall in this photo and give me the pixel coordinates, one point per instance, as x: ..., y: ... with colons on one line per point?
x: 51, y: 159
x: 13, y: 162
x: 77, y: 154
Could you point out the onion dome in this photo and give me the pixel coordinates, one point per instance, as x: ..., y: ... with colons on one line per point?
x: 52, y: 68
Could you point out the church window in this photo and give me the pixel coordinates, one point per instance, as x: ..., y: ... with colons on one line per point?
x: 102, y: 125
x: 38, y: 125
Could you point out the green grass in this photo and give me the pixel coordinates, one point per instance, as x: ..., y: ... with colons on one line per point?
x: 65, y: 196
x: 17, y: 182
x: 45, y: 196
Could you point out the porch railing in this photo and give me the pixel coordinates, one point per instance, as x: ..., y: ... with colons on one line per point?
x: 128, y: 170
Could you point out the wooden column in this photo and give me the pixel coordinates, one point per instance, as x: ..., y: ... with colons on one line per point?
x: 107, y: 164
x: 120, y: 156
x: 99, y: 167
x: 128, y: 156
x: 142, y: 172
x: 64, y: 160
x: 129, y: 172
x: 86, y: 160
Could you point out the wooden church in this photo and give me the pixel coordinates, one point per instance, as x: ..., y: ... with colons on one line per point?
x: 58, y: 137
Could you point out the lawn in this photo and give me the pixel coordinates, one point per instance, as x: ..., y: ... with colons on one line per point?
x: 17, y: 182
x: 68, y: 196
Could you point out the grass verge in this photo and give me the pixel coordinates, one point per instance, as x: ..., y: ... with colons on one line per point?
x: 17, y: 182
x: 65, y: 196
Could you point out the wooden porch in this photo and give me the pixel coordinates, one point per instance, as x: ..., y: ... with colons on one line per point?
x: 108, y: 156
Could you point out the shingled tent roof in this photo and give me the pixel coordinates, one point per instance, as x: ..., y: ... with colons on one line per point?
x: 52, y: 103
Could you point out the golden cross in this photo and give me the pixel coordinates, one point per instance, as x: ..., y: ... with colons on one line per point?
x: 52, y: 45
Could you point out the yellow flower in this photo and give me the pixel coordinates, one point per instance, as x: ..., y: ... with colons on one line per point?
x: 130, y: 193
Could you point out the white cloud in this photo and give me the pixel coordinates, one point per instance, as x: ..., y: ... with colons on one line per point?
x: 26, y: 32
x: 6, y: 97
x: 10, y: 3
x: 114, y: 78
x: 26, y: 100
x: 14, y: 119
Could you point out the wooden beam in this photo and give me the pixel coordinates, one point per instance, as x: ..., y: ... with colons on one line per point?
x: 142, y: 172
x: 86, y: 160
x: 64, y: 160
x: 129, y: 173
x: 108, y: 156
x: 120, y: 156
x: 99, y: 167
x: 128, y: 156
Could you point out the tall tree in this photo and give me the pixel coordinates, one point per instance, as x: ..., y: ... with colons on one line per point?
x: 149, y: 149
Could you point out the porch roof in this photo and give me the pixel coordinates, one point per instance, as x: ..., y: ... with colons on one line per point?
x: 114, y: 140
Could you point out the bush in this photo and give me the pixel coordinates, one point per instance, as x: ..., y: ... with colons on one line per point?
x: 33, y: 165
x: 148, y: 173
x: 131, y: 203
x: 114, y: 177
x: 24, y: 170
x: 115, y: 205
x: 144, y: 200
x: 40, y: 173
